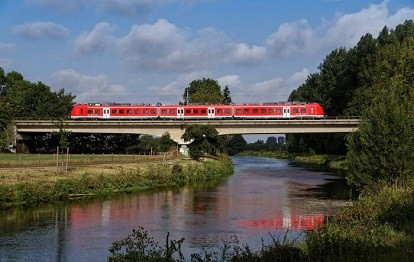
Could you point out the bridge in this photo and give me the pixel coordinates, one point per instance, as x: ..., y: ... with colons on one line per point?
x: 176, y: 128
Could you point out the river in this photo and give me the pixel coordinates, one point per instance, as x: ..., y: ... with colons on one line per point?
x: 263, y: 197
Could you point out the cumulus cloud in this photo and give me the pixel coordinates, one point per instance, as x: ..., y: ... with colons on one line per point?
x: 172, y: 92
x: 164, y: 47
x: 292, y: 38
x: 232, y: 81
x: 41, y: 31
x: 94, y: 41
x: 277, y: 89
x: 62, y: 6
x: 244, y: 54
x: 88, y: 88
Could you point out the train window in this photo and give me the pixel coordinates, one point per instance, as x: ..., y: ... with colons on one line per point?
x: 153, y: 111
x: 114, y: 111
x: 81, y: 111
x: 303, y: 110
x: 295, y: 110
x: 227, y: 111
x: 171, y: 111
x: 90, y: 112
x: 203, y: 111
x: 146, y: 111
x: 129, y: 111
x: 255, y: 111
x: 238, y: 111
x: 122, y: 111
x: 263, y: 111
x: 271, y: 111
x: 187, y: 111
x: 164, y: 111
x: 195, y: 111
x: 278, y: 111
x: 97, y: 111
x: 246, y: 111
x: 219, y: 111
x: 136, y: 111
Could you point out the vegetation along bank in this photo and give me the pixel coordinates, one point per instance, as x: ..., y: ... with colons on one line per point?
x: 32, y: 185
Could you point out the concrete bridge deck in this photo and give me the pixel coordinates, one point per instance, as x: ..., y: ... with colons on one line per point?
x: 176, y: 128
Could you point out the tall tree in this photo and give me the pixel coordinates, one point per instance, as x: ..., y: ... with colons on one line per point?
x: 204, y: 140
x: 226, y: 96
x: 206, y: 91
x: 382, y: 149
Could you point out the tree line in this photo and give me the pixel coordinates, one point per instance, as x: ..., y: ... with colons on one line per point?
x: 348, y: 81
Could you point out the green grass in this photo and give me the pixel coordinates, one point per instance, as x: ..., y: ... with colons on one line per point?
x: 30, y: 186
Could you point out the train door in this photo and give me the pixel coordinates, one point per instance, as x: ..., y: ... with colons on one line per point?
x: 286, y: 112
x: 211, y: 112
x: 180, y: 113
x: 106, y: 113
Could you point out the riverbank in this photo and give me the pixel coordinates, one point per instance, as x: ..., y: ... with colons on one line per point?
x: 332, y: 162
x: 377, y: 227
x: 25, y: 184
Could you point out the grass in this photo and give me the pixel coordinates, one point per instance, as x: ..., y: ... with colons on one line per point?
x: 32, y: 185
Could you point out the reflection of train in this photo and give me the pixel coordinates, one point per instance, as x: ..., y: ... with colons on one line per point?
x: 241, y: 111
x: 300, y: 222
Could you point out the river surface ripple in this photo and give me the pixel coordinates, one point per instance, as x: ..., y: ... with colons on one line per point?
x: 263, y: 197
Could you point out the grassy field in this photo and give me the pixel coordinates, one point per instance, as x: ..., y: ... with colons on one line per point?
x: 34, y: 179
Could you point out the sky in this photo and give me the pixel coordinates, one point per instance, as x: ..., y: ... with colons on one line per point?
x: 148, y: 51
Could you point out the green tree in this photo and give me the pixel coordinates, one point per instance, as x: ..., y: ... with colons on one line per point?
x: 165, y: 143
x: 234, y: 144
x: 226, y: 96
x: 206, y: 91
x: 382, y: 149
x: 204, y: 140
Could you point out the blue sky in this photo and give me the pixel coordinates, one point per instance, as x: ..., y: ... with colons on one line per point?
x: 148, y: 51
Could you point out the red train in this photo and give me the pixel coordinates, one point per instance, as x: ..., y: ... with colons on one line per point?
x: 238, y: 111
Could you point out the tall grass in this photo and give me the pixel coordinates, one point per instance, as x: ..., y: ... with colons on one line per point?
x: 119, y: 179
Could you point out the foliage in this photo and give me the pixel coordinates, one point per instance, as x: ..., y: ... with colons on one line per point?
x: 378, y: 227
x: 382, y: 149
x: 138, y: 246
x: 346, y: 81
x: 204, y: 140
x: 234, y: 144
x: 20, y: 98
x: 206, y: 91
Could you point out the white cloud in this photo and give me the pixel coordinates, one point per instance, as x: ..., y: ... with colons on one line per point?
x: 299, y: 37
x: 94, y: 41
x: 292, y: 38
x: 164, y: 47
x: 41, y: 30
x: 244, y: 54
x: 171, y: 93
x: 277, y: 89
x: 88, y: 88
x: 232, y: 81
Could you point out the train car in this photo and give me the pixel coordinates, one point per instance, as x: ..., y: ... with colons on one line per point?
x: 278, y: 110
x: 241, y: 111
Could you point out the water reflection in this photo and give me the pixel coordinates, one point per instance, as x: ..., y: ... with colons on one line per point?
x: 263, y: 195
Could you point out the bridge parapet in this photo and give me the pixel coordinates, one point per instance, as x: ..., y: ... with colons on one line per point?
x: 176, y: 128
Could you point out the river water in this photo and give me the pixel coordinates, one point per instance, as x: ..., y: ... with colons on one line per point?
x: 263, y: 199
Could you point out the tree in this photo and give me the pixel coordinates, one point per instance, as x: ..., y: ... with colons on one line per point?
x: 206, y: 91
x: 226, y: 96
x: 165, y: 143
x: 234, y: 144
x: 382, y: 149
x: 204, y: 140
